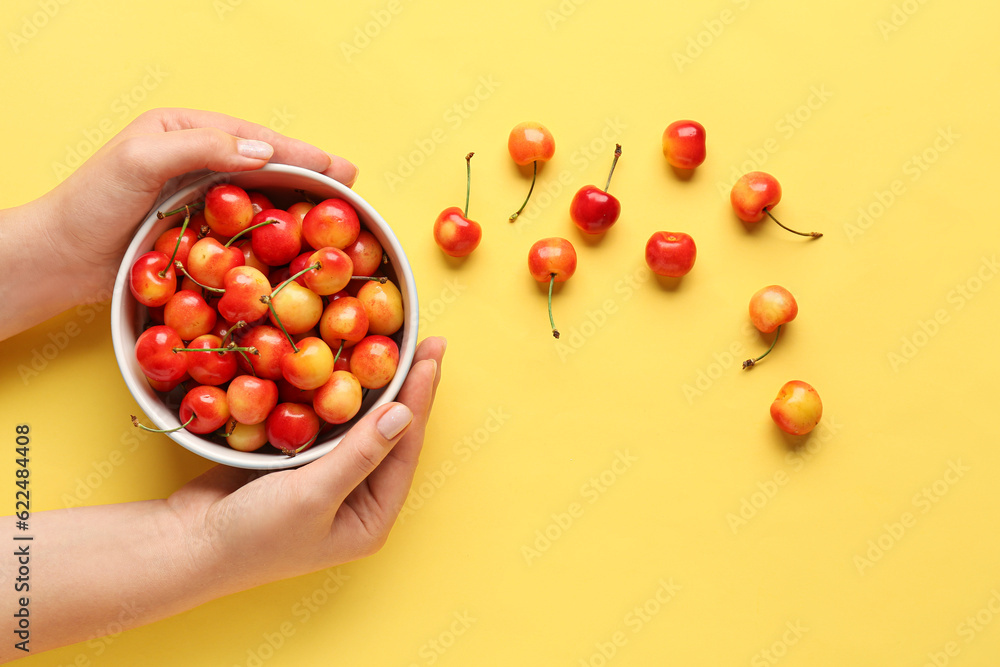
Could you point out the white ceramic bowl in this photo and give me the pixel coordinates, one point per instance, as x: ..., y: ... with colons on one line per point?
x: 279, y: 182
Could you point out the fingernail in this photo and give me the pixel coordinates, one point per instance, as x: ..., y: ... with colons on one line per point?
x: 258, y: 150
x: 392, y: 423
x: 444, y: 344
x: 344, y: 170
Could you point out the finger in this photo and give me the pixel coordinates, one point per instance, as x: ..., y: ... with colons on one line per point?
x: 390, y: 483
x: 329, y: 479
x: 150, y: 160
x: 286, y: 149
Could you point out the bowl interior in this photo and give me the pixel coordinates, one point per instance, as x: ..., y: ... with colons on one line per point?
x: 280, y: 183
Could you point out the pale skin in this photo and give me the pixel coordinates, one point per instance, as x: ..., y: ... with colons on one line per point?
x: 129, y: 564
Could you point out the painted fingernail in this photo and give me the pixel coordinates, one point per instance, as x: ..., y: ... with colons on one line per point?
x: 258, y: 150
x: 392, y: 423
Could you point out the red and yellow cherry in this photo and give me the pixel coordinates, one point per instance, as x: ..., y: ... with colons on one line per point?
x: 333, y: 274
x: 530, y: 143
x: 152, y: 279
x: 208, y: 364
x: 292, y: 427
x: 259, y: 201
x: 251, y: 398
x: 172, y: 240
x: 797, y: 408
x: 154, y: 350
x: 189, y: 315
x: 208, y: 406
x: 684, y: 144
x: 271, y: 345
x: 166, y: 387
x: 342, y: 360
x: 295, y: 267
x: 344, y: 320
x: 298, y: 308
x: 289, y: 393
x: 247, y: 437
x: 670, y: 254
x: 309, y: 365
x: 228, y: 209
x: 771, y: 307
x: 383, y: 305
x: 339, y: 399
x: 454, y: 232
x: 244, y: 287
x: 280, y: 241
x: 374, y: 360
x: 551, y: 261
x: 299, y: 210
x: 250, y: 259
x: 365, y: 254
x: 594, y: 210
x: 331, y: 223
x: 209, y: 262
x: 754, y: 195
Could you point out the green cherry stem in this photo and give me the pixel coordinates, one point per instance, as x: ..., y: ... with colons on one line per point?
x: 249, y: 229
x: 303, y: 272
x: 749, y: 363
x: 135, y: 422
x: 339, y: 351
x: 618, y: 154
x: 534, y: 174
x: 815, y: 235
x: 210, y: 289
x: 552, y: 282
x: 232, y: 347
x: 468, y: 182
x: 177, y: 246
x: 381, y: 279
x: 231, y: 330
x: 196, y: 206
x: 267, y: 299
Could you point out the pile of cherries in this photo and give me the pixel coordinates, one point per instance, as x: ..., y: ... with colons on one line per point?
x: 797, y: 408
x: 271, y: 321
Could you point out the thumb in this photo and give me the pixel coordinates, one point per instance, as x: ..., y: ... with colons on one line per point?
x: 358, y: 454
x: 154, y: 159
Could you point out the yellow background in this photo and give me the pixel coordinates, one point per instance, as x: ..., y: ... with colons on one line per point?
x: 835, y: 99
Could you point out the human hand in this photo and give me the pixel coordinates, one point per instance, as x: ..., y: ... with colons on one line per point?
x: 245, y: 530
x: 90, y: 217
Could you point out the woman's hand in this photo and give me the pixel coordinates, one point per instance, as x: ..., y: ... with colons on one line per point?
x: 255, y: 529
x: 64, y: 249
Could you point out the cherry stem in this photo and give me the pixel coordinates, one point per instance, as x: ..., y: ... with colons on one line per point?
x: 303, y: 272
x: 618, y: 154
x: 339, y: 351
x: 232, y: 347
x: 266, y: 299
x: 381, y: 279
x: 305, y: 195
x: 210, y: 289
x: 552, y: 282
x: 815, y: 235
x: 248, y: 229
x: 749, y: 363
x: 135, y: 422
x: 534, y: 173
x: 468, y: 181
x: 177, y: 246
x: 229, y: 332
x: 196, y: 206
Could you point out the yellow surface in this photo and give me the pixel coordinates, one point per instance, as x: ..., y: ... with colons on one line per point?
x: 634, y: 443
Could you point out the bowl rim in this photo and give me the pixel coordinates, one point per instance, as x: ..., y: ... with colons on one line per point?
x: 124, y: 307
